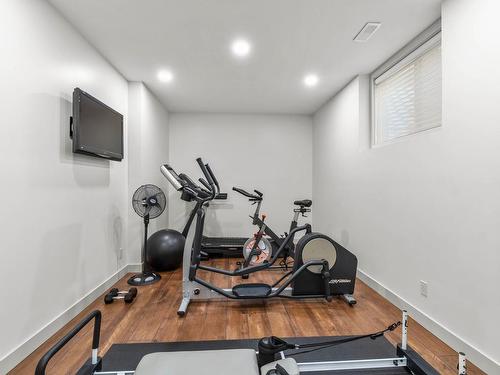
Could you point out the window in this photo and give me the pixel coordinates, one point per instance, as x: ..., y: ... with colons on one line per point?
x: 406, y: 91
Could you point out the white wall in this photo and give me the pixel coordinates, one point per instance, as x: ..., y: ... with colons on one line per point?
x: 269, y: 153
x: 148, y: 150
x: 64, y: 216
x: 428, y: 207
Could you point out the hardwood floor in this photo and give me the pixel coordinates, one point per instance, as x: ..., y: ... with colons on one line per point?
x: 152, y: 318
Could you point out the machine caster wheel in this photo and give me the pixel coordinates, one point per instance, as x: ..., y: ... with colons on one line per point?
x: 181, y: 313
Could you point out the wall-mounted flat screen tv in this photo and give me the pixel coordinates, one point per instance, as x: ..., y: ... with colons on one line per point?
x: 97, y: 129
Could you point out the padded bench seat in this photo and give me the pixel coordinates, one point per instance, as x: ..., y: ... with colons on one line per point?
x: 303, y: 203
x: 206, y: 362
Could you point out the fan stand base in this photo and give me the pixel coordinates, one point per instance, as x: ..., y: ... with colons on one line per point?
x: 144, y: 278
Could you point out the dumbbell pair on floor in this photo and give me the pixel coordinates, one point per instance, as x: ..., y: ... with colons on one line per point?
x: 115, y: 294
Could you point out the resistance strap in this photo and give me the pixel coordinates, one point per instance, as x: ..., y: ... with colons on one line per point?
x: 326, y: 344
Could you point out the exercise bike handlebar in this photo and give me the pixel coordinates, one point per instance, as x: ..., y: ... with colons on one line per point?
x: 247, y: 194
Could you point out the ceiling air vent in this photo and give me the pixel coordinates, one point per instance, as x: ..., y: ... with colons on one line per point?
x: 367, y: 32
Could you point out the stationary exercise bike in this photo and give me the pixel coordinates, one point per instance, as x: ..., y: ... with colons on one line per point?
x: 265, y: 242
x: 322, y: 268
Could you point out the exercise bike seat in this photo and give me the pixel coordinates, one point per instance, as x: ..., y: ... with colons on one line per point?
x: 304, y: 203
x: 207, y: 362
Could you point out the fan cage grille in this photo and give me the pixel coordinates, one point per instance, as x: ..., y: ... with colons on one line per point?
x: 149, y: 199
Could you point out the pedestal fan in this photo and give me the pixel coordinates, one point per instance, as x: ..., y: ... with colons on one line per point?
x: 148, y: 202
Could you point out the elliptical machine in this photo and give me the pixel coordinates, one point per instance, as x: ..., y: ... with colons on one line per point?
x: 322, y: 268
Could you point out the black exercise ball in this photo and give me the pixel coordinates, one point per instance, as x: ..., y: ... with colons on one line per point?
x: 165, y: 249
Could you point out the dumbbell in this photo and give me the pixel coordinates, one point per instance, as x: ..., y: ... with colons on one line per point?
x: 114, y: 294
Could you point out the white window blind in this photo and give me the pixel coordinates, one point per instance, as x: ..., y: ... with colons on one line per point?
x: 407, y: 96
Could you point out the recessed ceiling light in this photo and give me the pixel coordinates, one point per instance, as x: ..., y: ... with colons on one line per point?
x: 311, y: 80
x: 241, y: 47
x: 165, y: 76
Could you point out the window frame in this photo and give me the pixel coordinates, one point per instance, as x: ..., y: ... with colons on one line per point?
x: 417, y: 47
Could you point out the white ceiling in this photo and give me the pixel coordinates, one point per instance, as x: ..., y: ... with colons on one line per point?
x: 289, y: 37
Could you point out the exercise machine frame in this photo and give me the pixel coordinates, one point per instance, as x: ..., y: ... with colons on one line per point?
x: 194, y: 288
x: 405, y: 356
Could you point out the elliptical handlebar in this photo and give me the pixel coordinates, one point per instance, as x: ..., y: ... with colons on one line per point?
x: 191, y: 190
x: 194, y: 190
x: 204, y: 183
x: 213, y: 187
x: 213, y: 176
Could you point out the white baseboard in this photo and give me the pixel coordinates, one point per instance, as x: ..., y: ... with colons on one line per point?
x: 485, y: 363
x: 134, y: 267
x: 13, y: 358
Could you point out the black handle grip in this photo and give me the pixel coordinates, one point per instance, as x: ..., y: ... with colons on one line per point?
x: 213, y: 176
x: 187, y: 180
x: 246, y: 193
x: 205, y: 183
x: 205, y: 171
x: 205, y: 192
x: 242, y: 192
x: 44, y: 361
x: 258, y: 193
x: 213, y: 188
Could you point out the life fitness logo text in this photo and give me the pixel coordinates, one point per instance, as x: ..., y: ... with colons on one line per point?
x: 340, y: 281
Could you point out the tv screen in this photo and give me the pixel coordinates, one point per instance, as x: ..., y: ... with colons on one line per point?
x: 97, y: 129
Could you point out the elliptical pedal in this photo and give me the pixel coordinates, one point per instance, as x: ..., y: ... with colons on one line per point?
x: 255, y: 290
